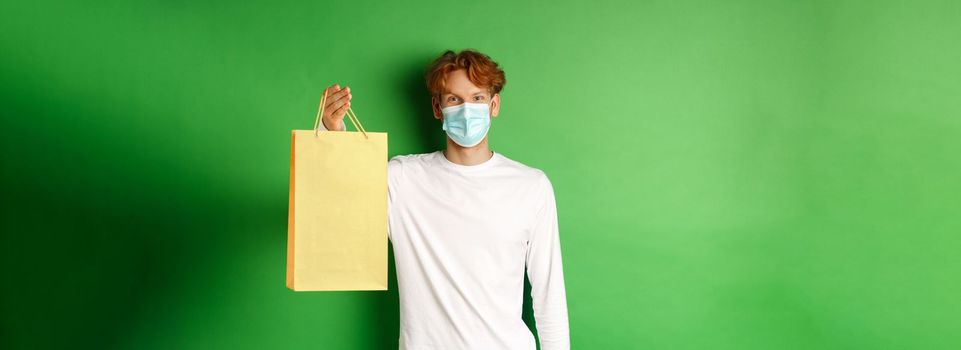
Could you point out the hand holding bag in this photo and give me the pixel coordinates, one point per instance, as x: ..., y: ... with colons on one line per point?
x: 337, y: 218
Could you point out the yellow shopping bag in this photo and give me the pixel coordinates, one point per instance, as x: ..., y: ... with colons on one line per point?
x: 337, y: 219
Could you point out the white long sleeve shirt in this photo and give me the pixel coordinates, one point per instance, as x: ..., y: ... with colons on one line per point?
x: 462, y: 237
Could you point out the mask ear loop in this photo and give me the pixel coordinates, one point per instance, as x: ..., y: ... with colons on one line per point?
x: 350, y: 115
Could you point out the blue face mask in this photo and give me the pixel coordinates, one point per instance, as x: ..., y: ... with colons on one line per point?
x: 467, y: 123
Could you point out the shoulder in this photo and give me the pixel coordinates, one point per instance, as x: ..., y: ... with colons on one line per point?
x: 397, y: 164
x: 410, y: 159
x: 532, y: 175
x: 536, y: 184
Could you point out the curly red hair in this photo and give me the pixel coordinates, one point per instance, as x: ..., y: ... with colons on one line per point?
x: 481, y: 71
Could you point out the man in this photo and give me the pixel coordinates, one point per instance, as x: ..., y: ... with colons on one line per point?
x: 465, y: 221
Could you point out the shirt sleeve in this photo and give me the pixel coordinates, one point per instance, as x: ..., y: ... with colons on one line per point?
x: 323, y: 127
x: 546, y: 275
x: 394, y: 171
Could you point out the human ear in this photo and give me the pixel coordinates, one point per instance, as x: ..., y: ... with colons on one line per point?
x: 495, y: 105
x: 435, y: 106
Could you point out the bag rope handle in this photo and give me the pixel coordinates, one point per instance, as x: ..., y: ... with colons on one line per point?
x: 350, y: 115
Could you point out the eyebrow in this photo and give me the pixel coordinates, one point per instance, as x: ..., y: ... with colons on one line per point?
x: 481, y: 92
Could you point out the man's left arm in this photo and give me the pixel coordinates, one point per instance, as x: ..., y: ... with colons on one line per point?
x: 544, y: 269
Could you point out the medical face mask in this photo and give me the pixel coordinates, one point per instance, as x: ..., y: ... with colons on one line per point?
x: 467, y: 123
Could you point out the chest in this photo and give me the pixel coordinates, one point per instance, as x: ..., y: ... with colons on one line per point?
x: 493, y: 212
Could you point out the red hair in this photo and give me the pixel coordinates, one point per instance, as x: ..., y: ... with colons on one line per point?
x: 480, y: 69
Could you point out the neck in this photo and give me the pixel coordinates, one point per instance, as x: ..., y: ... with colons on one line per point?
x: 458, y: 154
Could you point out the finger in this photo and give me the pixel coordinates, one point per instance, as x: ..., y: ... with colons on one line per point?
x: 330, y: 90
x: 340, y: 112
x: 337, y: 112
x: 339, y: 103
x: 337, y: 96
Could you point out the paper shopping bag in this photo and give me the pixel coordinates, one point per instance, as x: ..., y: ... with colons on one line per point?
x: 337, y: 224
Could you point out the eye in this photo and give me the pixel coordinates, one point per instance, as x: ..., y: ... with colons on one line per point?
x: 452, y: 99
x: 478, y: 98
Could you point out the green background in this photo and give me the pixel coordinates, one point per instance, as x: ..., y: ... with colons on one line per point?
x: 729, y: 174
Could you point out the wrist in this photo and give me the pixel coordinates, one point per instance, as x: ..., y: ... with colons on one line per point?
x: 338, y: 126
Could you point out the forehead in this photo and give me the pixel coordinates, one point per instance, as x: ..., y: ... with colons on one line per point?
x: 457, y: 83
